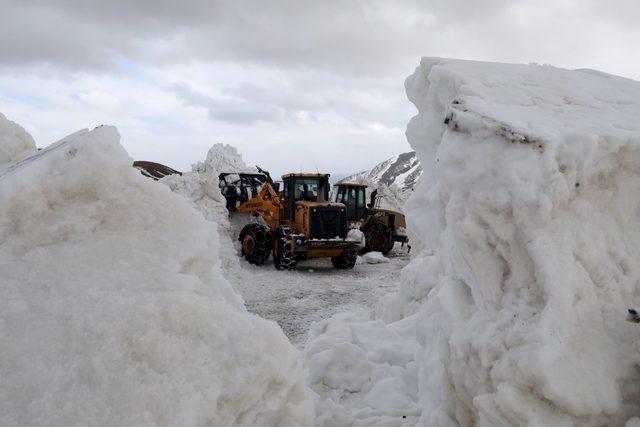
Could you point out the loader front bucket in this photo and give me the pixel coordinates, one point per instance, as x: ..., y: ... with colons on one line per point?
x: 237, y: 188
x: 154, y: 170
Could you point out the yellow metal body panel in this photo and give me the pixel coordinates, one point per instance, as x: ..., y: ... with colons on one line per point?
x: 268, y: 204
x: 323, y: 253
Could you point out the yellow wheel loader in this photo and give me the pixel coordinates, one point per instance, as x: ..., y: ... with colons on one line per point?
x: 294, y: 223
x: 381, y: 227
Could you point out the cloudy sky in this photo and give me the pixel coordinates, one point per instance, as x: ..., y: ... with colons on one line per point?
x: 293, y: 84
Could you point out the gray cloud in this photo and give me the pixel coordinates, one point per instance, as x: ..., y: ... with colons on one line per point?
x: 241, y: 111
x: 300, y: 97
x: 359, y: 37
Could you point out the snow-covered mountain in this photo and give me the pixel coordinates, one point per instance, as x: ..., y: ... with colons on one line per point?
x: 402, y: 170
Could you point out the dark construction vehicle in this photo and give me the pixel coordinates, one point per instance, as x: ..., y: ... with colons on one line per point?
x: 381, y: 227
x: 296, y: 223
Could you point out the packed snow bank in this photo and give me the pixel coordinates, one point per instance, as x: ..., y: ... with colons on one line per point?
x: 528, y: 227
x: 15, y: 142
x: 358, y: 368
x: 200, y: 188
x: 112, y: 308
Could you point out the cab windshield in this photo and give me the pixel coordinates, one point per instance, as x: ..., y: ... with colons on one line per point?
x: 350, y: 196
x: 306, y: 189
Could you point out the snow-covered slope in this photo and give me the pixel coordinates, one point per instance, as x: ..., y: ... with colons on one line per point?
x: 403, y: 171
x: 113, y: 310
x: 512, y: 311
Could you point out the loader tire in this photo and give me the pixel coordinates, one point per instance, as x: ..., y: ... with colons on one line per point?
x: 256, y: 243
x: 286, y: 259
x: 378, y: 237
x: 345, y: 261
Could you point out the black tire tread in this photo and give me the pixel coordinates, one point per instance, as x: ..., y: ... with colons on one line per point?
x: 372, y: 230
x: 345, y: 261
x: 261, y: 235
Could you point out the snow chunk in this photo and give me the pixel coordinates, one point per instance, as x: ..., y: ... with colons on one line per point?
x: 112, y: 308
x: 15, y: 142
x: 355, y: 235
x: 526, y: 232
x: 374, y: 258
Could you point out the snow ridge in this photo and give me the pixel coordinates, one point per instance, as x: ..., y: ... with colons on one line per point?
x: 201, y: 190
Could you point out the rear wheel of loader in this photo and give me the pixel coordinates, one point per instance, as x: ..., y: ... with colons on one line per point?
x: 345, y: 261
x: 256, y: 243
x: 378, y: 238
x: 286, y: 259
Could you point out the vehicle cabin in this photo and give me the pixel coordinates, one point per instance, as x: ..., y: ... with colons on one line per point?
x: 303, y: 187
x: 353, y: 196
x: 381, y: 227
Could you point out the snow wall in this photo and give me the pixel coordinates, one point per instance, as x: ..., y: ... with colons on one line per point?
x: 113, y: 308
x: 512, y: 310
x: 200, y: 187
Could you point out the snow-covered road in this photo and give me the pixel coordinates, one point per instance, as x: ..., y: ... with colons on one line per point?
x: 315, y: 291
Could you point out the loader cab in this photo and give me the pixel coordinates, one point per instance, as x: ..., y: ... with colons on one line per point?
x: 353, y: 197
x: 303, y: 187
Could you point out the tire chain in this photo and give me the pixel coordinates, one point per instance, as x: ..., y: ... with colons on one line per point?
x: 287, y: 259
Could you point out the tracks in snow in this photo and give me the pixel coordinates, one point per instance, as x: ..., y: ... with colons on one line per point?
x: 315, y: 291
